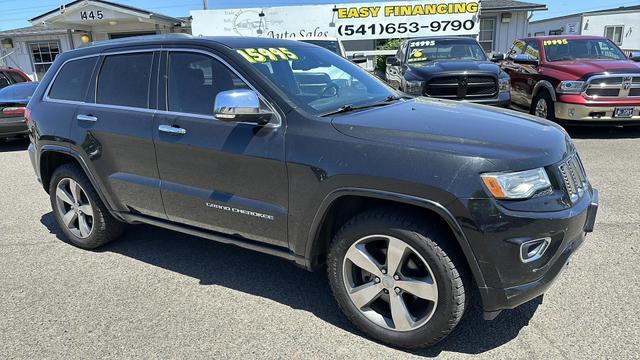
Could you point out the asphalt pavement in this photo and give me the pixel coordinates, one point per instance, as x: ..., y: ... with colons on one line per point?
x: 160, y: 294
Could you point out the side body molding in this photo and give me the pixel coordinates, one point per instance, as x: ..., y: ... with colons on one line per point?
x: 315, y: 227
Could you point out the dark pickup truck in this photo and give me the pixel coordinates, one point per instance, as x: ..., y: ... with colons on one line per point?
x: 449, y: 68
x: 411, y: 204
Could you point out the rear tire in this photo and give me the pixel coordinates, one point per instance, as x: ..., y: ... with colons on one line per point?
x: 381, y: 301
x: 543, y: 106
x: 79, y: 211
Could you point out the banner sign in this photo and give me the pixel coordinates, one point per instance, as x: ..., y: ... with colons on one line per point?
x: 351, y: 21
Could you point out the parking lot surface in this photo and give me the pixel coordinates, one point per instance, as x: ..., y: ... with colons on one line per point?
x: 157, y: 293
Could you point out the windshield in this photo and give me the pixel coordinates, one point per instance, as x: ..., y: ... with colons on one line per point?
x: 331, y: 45
x: 434, y: 50
x: 19, y: 91
x: 315, y: 79
x: 572, y: 49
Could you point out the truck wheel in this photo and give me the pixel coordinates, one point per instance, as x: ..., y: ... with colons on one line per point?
x: 393, y: 280
x: 543, y: 106
x: 80, y: 213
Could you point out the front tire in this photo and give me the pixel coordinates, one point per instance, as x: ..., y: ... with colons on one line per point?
x: 543, y: 106
x: 392, y: 278
x: 79, y: 211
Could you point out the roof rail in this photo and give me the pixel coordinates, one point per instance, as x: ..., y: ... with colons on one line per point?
x: 133, y: 39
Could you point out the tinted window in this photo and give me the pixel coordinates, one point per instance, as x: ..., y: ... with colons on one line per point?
x: 195, y: 80
x: 124, y: 80
x: 331, y: 45
x: 16, y: 77
x: 4, y: 80
x: 73, y: 79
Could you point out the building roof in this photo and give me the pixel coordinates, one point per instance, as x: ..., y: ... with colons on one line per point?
x: 108, y: 3
x: 32, y: 30
x: 596, y: 12
x: 510, y: 5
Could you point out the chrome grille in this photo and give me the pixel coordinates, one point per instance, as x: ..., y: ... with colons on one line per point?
x: 574, y: 177
x: 613, y: 86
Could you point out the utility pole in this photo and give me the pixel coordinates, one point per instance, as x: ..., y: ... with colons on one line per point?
x: 205, y: 4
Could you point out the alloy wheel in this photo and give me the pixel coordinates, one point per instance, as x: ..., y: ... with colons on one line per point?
x: 390, y: 283
x: 542, y: 109
x: 74, y: 208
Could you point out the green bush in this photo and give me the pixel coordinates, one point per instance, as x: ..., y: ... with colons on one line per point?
x: 391, y: 44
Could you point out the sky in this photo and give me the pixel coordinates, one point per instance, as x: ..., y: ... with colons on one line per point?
x: 15, y: 13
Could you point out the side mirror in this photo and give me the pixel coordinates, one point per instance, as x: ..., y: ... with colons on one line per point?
x: 359, y: 59
x: 392, y: 61
x: 634, y: 56
x: 240, y: 106
x: 525, y: 60
x: 497, y: 57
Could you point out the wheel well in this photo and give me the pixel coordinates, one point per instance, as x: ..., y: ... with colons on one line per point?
x: 49, y: 162
x: 346, y: 207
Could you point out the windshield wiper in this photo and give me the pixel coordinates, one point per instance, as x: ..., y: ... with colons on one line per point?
x: 348, y: 107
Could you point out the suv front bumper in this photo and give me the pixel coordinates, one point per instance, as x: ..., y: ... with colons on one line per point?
x: 496, y: 243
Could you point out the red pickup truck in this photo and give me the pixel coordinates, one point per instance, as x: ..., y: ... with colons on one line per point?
x: 580, y: 79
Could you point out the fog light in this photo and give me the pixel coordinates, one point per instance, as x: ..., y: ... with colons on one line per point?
x: 533, y: 250
x: 572, y: 112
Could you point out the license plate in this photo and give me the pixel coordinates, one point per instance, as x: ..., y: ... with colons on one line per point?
x: 623, y: 112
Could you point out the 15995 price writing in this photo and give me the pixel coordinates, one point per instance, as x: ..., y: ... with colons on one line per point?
x: 404, y: 28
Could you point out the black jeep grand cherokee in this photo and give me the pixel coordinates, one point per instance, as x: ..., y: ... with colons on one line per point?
x: 453, y: 68
x: 285, y: 148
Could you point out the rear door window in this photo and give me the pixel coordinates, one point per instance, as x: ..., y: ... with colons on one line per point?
x: 4, y: 80
x: 124, y: 80
x: 17, y: 78
x: 73, y: 79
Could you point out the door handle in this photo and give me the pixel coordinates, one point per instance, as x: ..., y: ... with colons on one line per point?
x: 172, y: 130
x: 89, y: 118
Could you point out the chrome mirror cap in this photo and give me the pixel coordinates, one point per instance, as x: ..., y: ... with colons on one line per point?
x: 240, y: 106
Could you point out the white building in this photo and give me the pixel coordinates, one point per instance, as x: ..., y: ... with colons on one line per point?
x: 33, y: 49
x: 621, y: 25
x: 503, y: 21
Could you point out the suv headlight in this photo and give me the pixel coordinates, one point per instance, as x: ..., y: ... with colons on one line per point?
x: 570, y: 87
x: 516, y: 185
x: 505, y: 84
x: 414, y: 87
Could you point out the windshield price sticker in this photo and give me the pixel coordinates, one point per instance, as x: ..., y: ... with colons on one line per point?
x: 263, y: 55
x: 423, y: 43
x: 556, y: 42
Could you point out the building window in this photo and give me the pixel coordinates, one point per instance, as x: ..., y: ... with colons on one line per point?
x: 614, y: 33
x: 487, y: 34
x: 539, y: 33
x: 42, y: 55
x: 555, y: 32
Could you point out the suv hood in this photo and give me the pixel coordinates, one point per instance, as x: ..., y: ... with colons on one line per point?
x: 432, y: 68
x: 585, y: 68
x: 510, y: 140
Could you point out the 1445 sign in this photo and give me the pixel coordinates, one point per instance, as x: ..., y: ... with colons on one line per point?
x: 92, y: 15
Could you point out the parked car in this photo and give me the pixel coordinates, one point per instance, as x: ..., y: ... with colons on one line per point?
x: 574, y: 79
x: 410, y: 202
x: 9, y: 76
x: 13, y: 100
x: 454, y: 68
x: 334, y: 45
